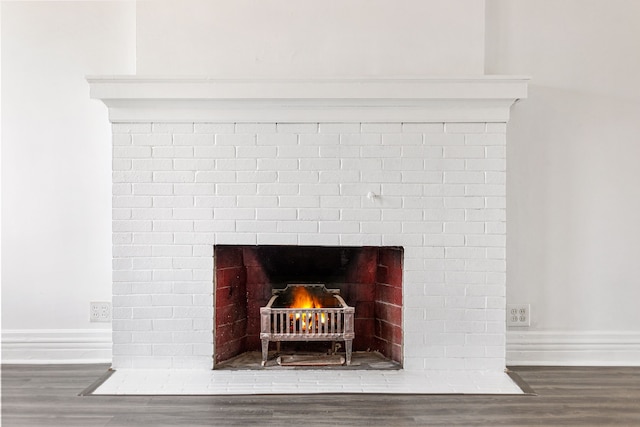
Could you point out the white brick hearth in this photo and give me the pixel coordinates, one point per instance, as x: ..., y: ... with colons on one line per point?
x: 413, y: 163
x: 199, y: 382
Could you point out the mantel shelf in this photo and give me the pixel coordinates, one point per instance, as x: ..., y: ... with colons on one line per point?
x: 437, y: 99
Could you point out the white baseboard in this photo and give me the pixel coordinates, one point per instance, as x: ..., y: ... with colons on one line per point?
x: 43, y: 346
x: 570, y: 348
x: 535, y: 348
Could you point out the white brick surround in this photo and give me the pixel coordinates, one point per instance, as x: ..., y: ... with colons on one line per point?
x: 435, y: 187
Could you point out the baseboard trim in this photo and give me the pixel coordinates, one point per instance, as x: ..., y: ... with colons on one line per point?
x: 570, y: 348
x: 534, y: 348
x: 60, y: 346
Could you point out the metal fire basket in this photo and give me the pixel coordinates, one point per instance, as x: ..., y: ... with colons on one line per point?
x: 333, y: 322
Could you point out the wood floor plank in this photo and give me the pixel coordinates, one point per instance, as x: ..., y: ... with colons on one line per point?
x: 35, y: 395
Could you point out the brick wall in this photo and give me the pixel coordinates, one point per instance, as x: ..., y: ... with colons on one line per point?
x: 438, y: 190
x: 230, y: 302
x: 388, y: 303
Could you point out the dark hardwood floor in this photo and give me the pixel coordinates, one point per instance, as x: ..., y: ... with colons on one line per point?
x: 48, y: 396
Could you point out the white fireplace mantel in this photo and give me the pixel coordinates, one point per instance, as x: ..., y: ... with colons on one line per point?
x: 436, y: 99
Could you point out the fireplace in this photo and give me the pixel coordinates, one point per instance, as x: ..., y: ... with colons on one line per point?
x: 368, y: 278
x: 362, y: 167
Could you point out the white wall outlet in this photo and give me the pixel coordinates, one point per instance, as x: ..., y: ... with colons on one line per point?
x: 100, y: 311
x: 518, y: 315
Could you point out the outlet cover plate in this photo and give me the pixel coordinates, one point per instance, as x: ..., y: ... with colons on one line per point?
x: 519, y: 315
x: 100, y: 311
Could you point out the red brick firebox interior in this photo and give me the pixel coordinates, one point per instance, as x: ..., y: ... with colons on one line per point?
x: 369, y: 279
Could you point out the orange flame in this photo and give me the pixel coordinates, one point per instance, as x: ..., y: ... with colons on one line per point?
x: 303, y: 299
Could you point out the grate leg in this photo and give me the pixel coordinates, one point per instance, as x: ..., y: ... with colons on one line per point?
x: 265, y: 351
x: 348, y: 344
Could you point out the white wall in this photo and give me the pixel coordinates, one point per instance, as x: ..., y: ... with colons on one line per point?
x: 574, y: 146
x: 56, y: 155
x: 310, y: 38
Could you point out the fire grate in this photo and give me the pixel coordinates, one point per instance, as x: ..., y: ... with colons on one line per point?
x: 325, y: 317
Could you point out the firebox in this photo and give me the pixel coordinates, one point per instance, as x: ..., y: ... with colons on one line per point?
x: 357, y: 291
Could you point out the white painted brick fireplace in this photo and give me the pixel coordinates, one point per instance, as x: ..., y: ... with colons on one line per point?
x: 417, y: 163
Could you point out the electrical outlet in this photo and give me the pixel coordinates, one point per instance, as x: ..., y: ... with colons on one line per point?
x: 518, y: 315
x: 100, y: 311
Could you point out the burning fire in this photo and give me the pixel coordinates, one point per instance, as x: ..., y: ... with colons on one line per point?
x: 303, y: 299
